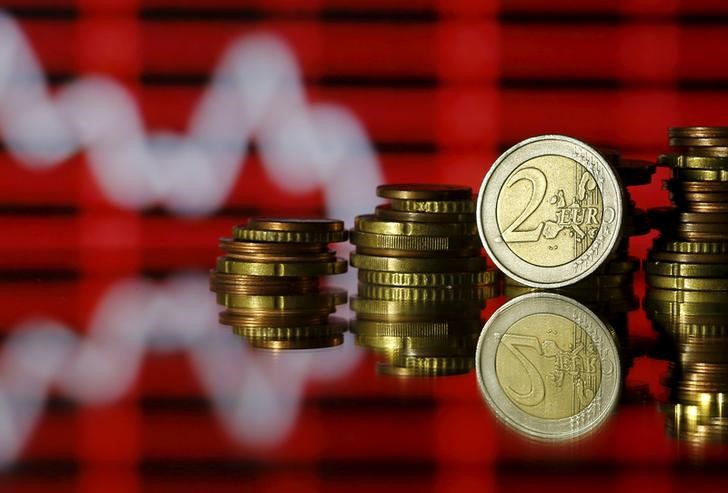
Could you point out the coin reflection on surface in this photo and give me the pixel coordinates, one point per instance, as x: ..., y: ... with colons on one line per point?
x: 548, y: 367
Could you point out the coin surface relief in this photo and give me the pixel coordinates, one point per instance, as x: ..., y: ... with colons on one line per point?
x: 548, y: 367
x: 550, y: 211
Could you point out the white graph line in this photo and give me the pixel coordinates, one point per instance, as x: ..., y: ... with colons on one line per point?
x: 256, y: 94
x: 256, y: 395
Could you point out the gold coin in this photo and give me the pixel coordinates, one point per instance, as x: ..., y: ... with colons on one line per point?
x: 329, y: 297
x: 388, y: 214
x: 434, y: 206
x: 452, y: 345
x: 275, y: 318
x: 421, y: 191
x: 696, y: 186
x: 333, y: 327
x: 385, y: 252
x: 426, y: 294
x: 688, y: 258
x: 366, y: 308
x: 292, y: 344
x: 700, y: 175
x: 240, y: 247
x: 244, y: 234
x: 371, y: 224
x: 670, y: 314
x: 698, y: 136
x: 676, y: 269
x: 282, y: 269
x: 670, y: 215
x: 550, y: 211
x: 523, y: 375
x: 301, y: 225
x: 412, y: 366
x: 695, y: 297
x: 688, y: 283
x: 707, y: 247
x: 693, y: 162
x: 423, y: 279
x: 425, y: 244
x: 232, y: 283
x: 684, y: 197
x: 396, y: 264
x: 413, y: 328
x: 707, y: 207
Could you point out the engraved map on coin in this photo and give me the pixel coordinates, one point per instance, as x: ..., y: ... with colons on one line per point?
x: 548, y: 367
x: 550, y: 211
x: 549, y: 204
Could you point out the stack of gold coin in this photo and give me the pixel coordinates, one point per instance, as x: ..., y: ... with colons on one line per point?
x: 268, y: 282
x: 553, y: 212
x: 422, y: 280
x: 687, y: 282
x: 697, y: 380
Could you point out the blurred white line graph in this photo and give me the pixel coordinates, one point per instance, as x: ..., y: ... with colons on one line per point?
x: 256, y: 94
x: 257, y: 395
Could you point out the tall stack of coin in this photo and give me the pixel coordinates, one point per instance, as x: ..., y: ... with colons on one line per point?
x: 551, y: 211
x: 268, y: 282
x: 422, y: 280
x: 687, y: 278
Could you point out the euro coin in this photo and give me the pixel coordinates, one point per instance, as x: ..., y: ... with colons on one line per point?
x: 550, y: 211
x: 694, y: 162
x: 698, y: 136
x: 326, y: 298
x: 424, y: 328
x: 454, y: 264
x: 521, y: 373
x: 688, y: 283
x: 424, y: 279
x: 426, y: 294
x: 676, y: 269
x: 388, y: 214
x: 282, y: 269
x: 434, y: 206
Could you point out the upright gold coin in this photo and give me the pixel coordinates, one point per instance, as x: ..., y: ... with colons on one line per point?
x: 550, y: 211
x: 548, y: 367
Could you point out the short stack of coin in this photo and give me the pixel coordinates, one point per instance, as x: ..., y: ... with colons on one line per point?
x: 687, y: 281
x: 698, y: 383
x: 268, y: 282
x: 422, y: 280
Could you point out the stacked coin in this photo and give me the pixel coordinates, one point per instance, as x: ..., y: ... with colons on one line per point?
x: 698, y: 383
x: 268, y: 282
x: 422, y: 280
x: 687, y: 278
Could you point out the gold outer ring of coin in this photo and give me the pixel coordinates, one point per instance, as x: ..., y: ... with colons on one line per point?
x: 688, y: 283
x: 424, y: 244
x: 430, y: 294
x: 676, y: 269
x: 424, y: 191
x: 398, y: 264
x: 693, y: 162
x: 386, y: 212
x: 435, y: 206
x: 542, y: 428
x: 326, y: 298
x: 427, y: 328
x: 578, y: 268
x: 269, y: 236
x: 369, y: 223
x: 281, y: 269
x: 425, y: 279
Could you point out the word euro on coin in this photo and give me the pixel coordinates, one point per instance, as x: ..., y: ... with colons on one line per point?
x: 550, y: 211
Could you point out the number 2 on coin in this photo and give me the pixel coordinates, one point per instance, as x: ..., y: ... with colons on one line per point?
x: 537, y: 391
x: 538, y: 190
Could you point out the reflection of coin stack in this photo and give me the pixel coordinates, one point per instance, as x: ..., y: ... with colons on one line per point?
x: 268, y: 282
x: 611, y: 284
x: 687, y: 278
x: 422, y: 280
